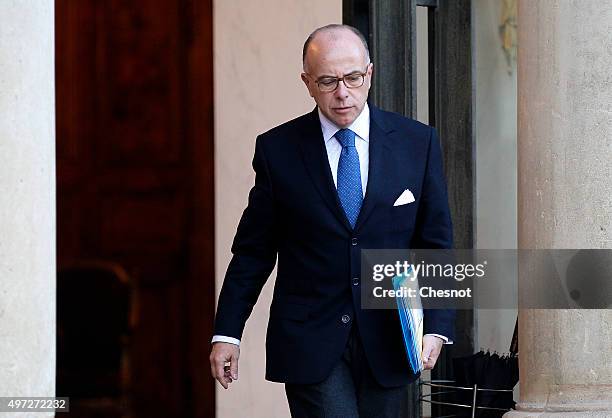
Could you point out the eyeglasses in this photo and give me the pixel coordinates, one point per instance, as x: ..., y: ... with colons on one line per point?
x: 352, y: 81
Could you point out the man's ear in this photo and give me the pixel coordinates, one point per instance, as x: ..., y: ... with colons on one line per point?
x: 370, y: 71
x: 307, y: 83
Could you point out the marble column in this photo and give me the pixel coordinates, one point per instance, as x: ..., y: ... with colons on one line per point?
x: 565, y: 196
x: 27, y: 200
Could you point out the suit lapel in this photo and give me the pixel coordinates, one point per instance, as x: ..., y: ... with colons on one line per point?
x: 315, y: 158
x: 378, y: 171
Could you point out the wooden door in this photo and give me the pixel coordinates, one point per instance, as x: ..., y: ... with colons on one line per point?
x: 135, y: 179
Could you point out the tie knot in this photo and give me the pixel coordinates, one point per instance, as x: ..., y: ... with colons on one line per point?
x: 346, y: 137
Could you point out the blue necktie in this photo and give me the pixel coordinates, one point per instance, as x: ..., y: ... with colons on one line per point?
x: 349, y: 176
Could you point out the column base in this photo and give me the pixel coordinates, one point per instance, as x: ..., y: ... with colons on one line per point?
x: 565, y: 414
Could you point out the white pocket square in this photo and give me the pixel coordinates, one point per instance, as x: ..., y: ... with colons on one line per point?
x: 405, y: 198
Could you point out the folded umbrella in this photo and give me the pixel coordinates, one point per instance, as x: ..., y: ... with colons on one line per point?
x: 496, y: 375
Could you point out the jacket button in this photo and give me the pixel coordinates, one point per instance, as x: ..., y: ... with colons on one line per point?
x: 345, y: 319
x: 355, y: 281
x: 354, y: 241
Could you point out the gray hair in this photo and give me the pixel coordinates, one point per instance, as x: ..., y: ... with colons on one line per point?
x: 332, y: 27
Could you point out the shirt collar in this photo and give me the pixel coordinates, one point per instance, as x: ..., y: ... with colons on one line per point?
x: 361, y: 125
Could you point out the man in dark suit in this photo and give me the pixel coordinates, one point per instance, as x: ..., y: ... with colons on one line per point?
x: 343, y: 178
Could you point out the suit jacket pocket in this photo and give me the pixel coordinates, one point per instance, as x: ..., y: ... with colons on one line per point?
x: 402, y: 217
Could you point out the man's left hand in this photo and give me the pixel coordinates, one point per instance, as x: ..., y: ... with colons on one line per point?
x: 432, y: 346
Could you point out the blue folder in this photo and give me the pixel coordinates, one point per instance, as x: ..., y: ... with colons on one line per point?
x: 411, y: 318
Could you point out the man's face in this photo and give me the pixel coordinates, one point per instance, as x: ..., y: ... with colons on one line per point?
x: 336, y: 55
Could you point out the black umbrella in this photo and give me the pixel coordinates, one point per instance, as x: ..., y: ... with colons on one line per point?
x: 494, y: 376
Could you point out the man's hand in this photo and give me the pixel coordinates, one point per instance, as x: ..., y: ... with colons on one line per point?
x: 432, y: 346
x: 220, y: 355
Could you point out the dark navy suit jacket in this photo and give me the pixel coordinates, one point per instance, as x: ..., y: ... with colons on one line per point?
x: 294, y: 214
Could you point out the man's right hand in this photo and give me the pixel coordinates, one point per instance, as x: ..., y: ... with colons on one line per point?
x: 221, y: 354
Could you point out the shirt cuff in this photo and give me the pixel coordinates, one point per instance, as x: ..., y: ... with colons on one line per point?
x: 224, y: 339
x: 442, y: 337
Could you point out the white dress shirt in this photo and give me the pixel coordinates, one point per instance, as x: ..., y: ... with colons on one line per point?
x: 361, y: 127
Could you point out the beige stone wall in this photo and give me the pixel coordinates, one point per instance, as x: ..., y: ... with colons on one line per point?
x: 257, y: 53
x: 27, y: 200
